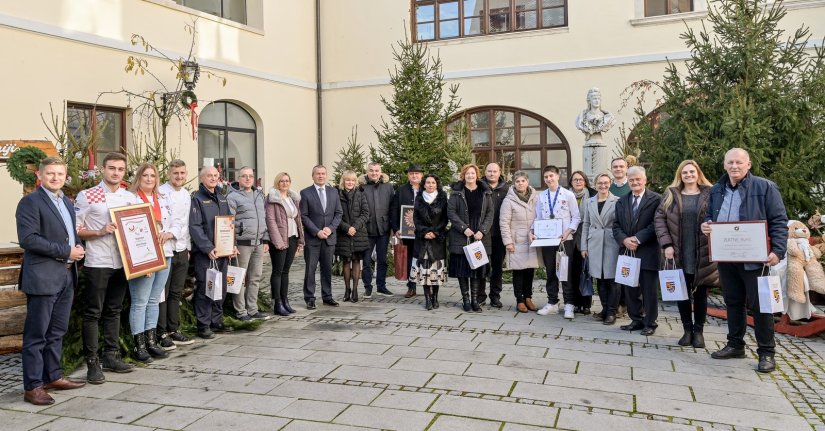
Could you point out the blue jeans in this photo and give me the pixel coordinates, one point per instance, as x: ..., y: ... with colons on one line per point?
x: 145, y: 294
x: 380, y: 244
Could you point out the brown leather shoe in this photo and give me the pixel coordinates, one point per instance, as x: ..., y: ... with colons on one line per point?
x: 38, y: 397
x: 410, y: 293
x: 528, y: 302
x: 521, y: 307
x: 63, y: 384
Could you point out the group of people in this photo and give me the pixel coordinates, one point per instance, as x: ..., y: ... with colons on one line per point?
x: 355, y: 222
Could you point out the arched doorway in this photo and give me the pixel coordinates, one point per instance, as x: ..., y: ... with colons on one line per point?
x: 516, y: 139
x: 227, y: 137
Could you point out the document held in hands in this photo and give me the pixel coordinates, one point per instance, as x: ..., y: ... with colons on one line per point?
x: 548, y: 232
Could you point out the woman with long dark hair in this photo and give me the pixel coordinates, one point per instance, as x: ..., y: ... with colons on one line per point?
x: 430, y: 249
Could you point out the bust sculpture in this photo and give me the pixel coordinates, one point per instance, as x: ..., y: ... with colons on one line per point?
x: 593, y: 121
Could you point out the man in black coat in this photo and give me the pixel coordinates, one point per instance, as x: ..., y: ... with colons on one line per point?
x: 633, y: 230
x: 379, y: 192
x: 321, y: 214
x: 499, y: 187
x: 208, y: 203
x: 46, y: 231
x: 405, y: 195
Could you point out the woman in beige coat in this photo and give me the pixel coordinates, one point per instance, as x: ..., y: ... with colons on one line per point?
x: 518, y: 211
x: 599, y: 247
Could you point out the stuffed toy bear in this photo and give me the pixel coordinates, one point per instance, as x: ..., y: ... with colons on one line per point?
x: 803, y: 260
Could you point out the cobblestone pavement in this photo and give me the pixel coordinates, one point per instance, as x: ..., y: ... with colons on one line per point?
x: 386, y: 363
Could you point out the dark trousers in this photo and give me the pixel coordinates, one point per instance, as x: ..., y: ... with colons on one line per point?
x: 281, y: 262
x: 739, y: 289
x: 693, y: 318
x: 380, y: 244
x: 548, y: 255
x: 609, y: 293
x: 523, y: 283
x: 169, y: 310
x: 47, y: 320
x: 208, y: 312
x: 644, y: 298
x: 103, y: 297
x: 496, y: 264
x: 576, y: 263
x: 315, y: 254
x: 410, y: 244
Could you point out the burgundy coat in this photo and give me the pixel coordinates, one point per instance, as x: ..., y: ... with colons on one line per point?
x: 276, y: 222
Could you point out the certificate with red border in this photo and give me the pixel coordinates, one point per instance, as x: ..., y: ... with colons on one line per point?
x: 138, y: 240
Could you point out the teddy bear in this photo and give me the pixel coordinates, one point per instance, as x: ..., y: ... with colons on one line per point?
x: 803, y: 260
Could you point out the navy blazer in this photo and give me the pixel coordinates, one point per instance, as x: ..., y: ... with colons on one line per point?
x: 641, y: 227
x: 315, y: 218
x: 43, y: 237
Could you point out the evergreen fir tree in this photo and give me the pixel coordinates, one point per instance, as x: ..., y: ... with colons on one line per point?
x: 350, y: 158
x: 416, y: 131
x: 746, y: 86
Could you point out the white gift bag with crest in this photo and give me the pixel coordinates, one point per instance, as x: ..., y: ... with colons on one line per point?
x: 673, y: 284
x: 627, y: 269
x: 476, y: 254
x: 235, y: 278
x: 562, y: 264
x: 770, y: 293
x: 214, y: 282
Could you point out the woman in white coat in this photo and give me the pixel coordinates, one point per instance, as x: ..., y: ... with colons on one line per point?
x: 598, y: 245
x: 516, y: 223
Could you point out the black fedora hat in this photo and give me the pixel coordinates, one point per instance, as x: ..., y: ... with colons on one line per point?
x: 414, y: 168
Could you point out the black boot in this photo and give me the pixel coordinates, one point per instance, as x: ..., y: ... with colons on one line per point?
x: 285, y: 302
x: 434, y: 296
x: 698, y: 338
x: 347, y: 294
x: 427, y: 298
x: 139, y: 352
x: 152, y: 345
x: 278, y: 308
x: 464, y: 285
x: 476, y: 284
x: 94, y: 374
x: 481, y: 292
x: 687, y: 338
x: 111, y: 361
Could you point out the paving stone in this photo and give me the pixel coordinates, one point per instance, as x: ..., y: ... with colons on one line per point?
x: 166, y: 395
x: 466, y: 356
x: 471, y: 384
x: 603, y: 370
x: 434, y: 321
x: 393, y: 340
x: 431, y: 365
x: 289, y: 368
x: 312, y: 335
x: 312, y: 410
x: 73, y: 424
x: 102, y: 410
x: 610, y: 359
x: 14, y: 401
x: 535, y: 352
x: 270, y: 353
x: 266, y: 340
x: 172, y: 417
x: 583, y: 397
x: 298, y: 425
x: 326, y: 392
x: 445, y: 344
x: 216, y: 362
x: 711, y: 382
x: 738, y: 400
x: 586, y: 346
x: 367, y: 374
x: 454, y: 423
x: 224, y: 420
x: 404, y: 400
x: 22, y: 421
x: 249, y: 403
x: 585, y: 421
x: 492, y: 338
x: 561, y: 365
x: 496, y: 410
x: 109, y: 390
x: 520, y: 427
x: 481, y: 324
x: 632, y: 387
x: 343, y: 358
x: 384, y: 418
x: 522, y: 327
x: 506, y: 373
x: 409, y: 352
x: 348, y: 347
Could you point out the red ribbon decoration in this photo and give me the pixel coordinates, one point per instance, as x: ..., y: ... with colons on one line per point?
x: 194, y: 119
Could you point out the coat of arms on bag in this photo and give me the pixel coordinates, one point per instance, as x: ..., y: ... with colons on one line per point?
x: 625, y: 271
x: 230, y: 280
x: 776, y: 296
x: 209, y: 285
x: 671, y: 286
x: 477, y: 254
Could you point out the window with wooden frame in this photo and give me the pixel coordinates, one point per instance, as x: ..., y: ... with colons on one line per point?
x: 233, y: 10
x: 515, y: 139
x: 450, y: 19
x: 82, y: 119
x: 667, y: 7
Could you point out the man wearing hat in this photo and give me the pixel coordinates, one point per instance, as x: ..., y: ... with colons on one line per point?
x: 405, y: 195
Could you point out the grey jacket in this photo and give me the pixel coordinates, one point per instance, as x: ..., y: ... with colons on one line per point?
x: 249, y: 209
x: 597, y: 236
x: 379, y: 198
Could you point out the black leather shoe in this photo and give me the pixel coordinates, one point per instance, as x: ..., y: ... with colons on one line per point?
x: 495, y: 303
x: 609, y: 320
x: 94, y: 372
x: 635, y: 326
x: 728, y: 352
x: 311, y: 304
x: 222, y: 329
x: 766, y: 364
x: 206, y: 333
x: 687, y: 339
x: 698, y: 340
x: 648, y: 332
x: 331, y: 302
x: 598, y: 316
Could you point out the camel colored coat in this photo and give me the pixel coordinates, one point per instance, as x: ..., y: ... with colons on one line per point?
x: 516, y: 222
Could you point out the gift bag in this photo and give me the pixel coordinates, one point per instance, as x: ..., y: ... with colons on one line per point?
x: 476, y: 254
x: 585, y: 280
x: 399, y: 254
x: 214, y: 282
x: 235, y: 278
x: 673, y: 284
x: 562, y: 264
x: 627, y: 269
x: 770, y: 293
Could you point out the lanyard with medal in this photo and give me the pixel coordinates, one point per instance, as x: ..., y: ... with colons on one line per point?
x: 552, y: 203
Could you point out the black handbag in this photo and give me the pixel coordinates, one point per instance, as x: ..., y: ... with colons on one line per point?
x: 586, y: 281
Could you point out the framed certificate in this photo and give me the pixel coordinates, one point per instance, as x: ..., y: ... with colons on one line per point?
x: 137, y: 240
x: 740, y: 241
x: 224, y: 235
x: 407, y: 222
x: 548, y: 229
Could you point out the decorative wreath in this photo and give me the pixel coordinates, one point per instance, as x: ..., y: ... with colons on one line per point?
x: 187, y: 98
x: 17, y: 164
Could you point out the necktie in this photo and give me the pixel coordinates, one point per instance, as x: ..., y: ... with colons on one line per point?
x: 323, y: 196
x: 635, y: 206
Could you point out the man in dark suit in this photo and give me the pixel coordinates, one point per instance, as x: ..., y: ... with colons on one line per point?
x: 633, y: 230
x: 405, y: 195
x: 48, y: 277
x: 321, y: 214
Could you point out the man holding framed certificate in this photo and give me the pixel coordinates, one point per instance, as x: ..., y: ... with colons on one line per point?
x: 737, y: 198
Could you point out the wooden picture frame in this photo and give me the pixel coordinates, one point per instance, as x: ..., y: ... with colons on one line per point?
x: 224, y: 238
x: 407, y: 222
x: 137, y: 240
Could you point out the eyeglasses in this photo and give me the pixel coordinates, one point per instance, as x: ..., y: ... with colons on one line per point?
x: 578, y: 179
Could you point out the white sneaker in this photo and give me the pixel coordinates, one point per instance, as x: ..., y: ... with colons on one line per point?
x: 568, y: 311
x: 549, y: 309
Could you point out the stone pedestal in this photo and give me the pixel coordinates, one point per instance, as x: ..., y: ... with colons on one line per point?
x: 594, y: 156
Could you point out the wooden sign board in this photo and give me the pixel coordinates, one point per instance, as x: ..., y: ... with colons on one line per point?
x: 8, y: 147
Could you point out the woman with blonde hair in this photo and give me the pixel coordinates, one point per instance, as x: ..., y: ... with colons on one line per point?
x: 677, y: 224
x: 286, y: 238
x: 352, y: 232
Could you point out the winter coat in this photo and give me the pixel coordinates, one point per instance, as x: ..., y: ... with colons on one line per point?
x: 641, y: 227
x: 431, y: 218
x: 516, y: 222
x: 458, y: 213
x: 276, y: 222
x: 205, y: 207
x: 379, y: 196
x: 577, y: 236
x: 405, y: 195
x: 499, y: 193
x: 357, y: 215
x: 250, y: 218
x: 597, y: 236
x: 668, y: 224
